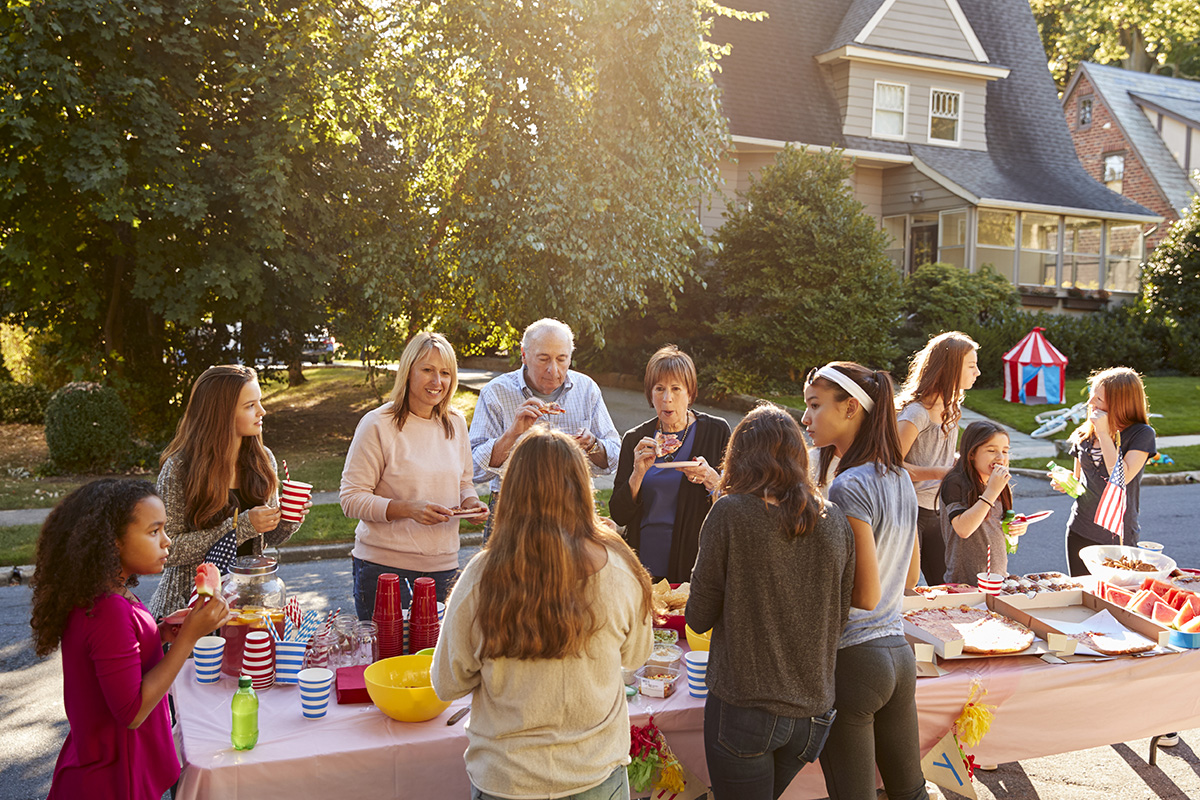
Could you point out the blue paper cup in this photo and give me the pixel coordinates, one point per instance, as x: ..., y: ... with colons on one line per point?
x: 289, y: 660
x: 316, y: 684
x: 206, y: 658
x: 697, y: 688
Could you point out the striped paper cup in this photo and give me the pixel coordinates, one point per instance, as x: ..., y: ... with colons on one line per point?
x: 289, y: 660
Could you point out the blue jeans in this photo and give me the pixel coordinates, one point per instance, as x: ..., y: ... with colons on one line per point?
x: 615, y: 787
x: 366, y: 579
x: 753, y: 753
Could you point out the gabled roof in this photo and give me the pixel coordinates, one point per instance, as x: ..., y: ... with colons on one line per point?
x: 1119, y: 88
x: 1186, y: 110
x: 773, y: 89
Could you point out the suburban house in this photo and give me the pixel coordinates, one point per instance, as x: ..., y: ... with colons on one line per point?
x: 953, y: 122
x: 1139, y: 134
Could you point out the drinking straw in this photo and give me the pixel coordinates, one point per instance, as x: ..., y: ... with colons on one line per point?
x: 989, y: 561
x: 270, y: 626
x: 289, y: 630
x: 410, y: 594
x: 283, y: 463
x: 292, y: 610
x: 235, y: 517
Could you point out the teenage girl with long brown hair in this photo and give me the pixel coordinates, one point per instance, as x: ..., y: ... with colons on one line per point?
x: 771, y: 670
x: 849, y: 413
x: 929, y: 406
x: 215, y: 466
x: 92, y: 548
x: 1117, y: 427
x: 538, y: 628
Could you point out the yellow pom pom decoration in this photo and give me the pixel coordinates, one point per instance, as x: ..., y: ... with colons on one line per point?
x: 976, y: 717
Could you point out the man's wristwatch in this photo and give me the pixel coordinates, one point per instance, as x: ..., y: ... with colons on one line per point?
x: 595, y: 448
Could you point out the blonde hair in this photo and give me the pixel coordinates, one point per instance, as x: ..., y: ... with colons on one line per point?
x: 535, y: 599
x: 206, y: 440
x: 936, y: 372
x: 1125, y: 395
x: 421, y: 344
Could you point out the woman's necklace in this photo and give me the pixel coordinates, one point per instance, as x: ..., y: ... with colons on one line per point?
x: 668, y: 442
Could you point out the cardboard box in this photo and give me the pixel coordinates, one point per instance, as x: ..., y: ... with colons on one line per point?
x: 1040, y: 613
x: 953, y: 649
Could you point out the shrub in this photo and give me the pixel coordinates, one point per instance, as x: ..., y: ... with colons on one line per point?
x: 87, y: 427
x: 803, y: 276
x: 1171, y: 289
x: 22, y: 403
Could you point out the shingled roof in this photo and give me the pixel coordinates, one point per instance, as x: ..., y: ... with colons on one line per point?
x: 1119, y: 89
x: 774, y: 89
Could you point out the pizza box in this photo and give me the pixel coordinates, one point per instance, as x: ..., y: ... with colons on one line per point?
x: 953, y: 649
x: 1040, y: 613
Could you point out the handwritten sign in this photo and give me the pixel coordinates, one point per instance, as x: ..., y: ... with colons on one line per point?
x: 944, y: 766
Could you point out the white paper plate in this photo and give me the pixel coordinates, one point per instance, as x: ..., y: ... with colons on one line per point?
x: 676, y: 464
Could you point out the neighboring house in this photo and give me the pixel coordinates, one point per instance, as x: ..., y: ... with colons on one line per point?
x: 1139, y: 134
x: 954, y: 125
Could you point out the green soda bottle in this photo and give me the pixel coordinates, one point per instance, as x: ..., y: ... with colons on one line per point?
x: 1066, y: 479
x: 244, y: 733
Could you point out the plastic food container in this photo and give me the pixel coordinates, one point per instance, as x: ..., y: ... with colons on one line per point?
x: 665, y: 636
x: 665, y: 655
x: 658, y: 681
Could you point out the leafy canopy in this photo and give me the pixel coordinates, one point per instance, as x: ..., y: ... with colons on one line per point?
x: 804, y: 275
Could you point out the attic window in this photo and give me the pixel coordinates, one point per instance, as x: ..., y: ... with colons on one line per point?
x: 1114, y: 171
x: 889, y: 109
x: 1085, y: 111
x: 944, y: 115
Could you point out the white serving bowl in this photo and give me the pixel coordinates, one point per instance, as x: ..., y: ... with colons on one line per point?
x: 1094, y: 555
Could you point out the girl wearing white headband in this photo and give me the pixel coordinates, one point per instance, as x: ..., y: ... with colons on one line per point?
x: 849, y: 414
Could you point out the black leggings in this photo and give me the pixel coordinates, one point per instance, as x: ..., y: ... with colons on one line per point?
x: 875, y: 689
x: 1075, y: 543
x: 933, y: 546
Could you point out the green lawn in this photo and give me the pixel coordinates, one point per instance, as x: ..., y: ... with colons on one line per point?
x: 17, y: 544
x: 1176, y: 398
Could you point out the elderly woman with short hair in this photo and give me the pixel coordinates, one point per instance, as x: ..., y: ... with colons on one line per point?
x: 661, y: 506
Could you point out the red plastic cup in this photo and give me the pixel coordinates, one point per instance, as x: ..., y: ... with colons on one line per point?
x: 387, y: 598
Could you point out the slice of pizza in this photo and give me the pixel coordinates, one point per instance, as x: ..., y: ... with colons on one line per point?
x: 1112, y: 645
x: 666, y: 443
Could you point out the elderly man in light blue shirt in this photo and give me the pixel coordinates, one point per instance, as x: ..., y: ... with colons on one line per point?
x: 546, y: 391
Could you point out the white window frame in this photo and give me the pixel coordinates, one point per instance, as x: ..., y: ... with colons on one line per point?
x: 959, y: 119
x: 875, y: 111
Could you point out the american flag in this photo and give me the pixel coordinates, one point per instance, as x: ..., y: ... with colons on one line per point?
x: 223, y: 552
x: 1110, y: 514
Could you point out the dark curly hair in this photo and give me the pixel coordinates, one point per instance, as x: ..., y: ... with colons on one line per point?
x: 77, y: 557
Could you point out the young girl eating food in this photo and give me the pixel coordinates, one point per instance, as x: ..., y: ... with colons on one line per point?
x: 974, y: 497
x: 115, y: 677
x: 1117, y: 428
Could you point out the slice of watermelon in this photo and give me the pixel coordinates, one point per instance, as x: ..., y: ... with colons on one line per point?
x: 1148, y: 583
x: 1143, y: 603
x: 208, y: 580
x: 1170, y: 597
x: 1192, y: 626
x: 1118, y: 596
x: 1184, y: 616
x: 1163, y: 614
x: 1194, y: 601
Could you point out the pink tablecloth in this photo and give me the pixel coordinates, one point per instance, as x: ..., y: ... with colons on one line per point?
x: 1043, y: 709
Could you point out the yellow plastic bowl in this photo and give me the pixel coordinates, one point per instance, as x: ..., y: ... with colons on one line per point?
x: 698, y: 641
x: 400, y: 687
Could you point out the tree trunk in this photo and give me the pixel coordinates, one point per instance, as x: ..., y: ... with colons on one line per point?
x: 114, y: 322
x: 1138, y: 58
x: 295, y: 372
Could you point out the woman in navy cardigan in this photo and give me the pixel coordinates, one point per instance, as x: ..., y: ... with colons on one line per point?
x: 660, y: 505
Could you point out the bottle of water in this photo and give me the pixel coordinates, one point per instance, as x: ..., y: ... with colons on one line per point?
x: 244, y: 733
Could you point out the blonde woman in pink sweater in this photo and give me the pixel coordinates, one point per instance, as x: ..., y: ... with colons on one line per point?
x: 408, y: 467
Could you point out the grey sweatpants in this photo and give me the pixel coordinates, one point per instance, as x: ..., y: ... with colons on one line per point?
x: 876, y: 723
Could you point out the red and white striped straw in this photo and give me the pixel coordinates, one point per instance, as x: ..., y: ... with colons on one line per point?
x: 283, y: 463
x: 989, y: 561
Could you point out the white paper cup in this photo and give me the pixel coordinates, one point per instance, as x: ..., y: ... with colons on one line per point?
x: 1153, y: 547
x: 209, y: 646
x: 293, y: 496
x: 990, y: 582
x: 441, y: 611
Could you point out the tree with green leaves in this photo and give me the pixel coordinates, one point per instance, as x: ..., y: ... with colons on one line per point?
x: 1160, y: 36
x: 1171, y: 289
x: 804, y: 275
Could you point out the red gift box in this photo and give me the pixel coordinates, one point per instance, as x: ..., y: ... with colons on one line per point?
x: 351, y: 685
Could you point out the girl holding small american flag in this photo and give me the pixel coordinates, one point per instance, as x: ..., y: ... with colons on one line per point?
x: 1110, y: 449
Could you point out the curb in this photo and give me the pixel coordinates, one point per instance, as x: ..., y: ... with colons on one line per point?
x: 1148, y: 478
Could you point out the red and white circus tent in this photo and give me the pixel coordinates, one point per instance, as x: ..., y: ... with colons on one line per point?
x: 1035, y: 371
